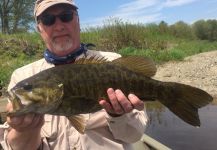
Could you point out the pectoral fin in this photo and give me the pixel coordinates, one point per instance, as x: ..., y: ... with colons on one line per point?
x: 78, y: 122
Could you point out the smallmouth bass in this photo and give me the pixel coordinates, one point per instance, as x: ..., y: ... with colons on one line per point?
x: 74, y: 89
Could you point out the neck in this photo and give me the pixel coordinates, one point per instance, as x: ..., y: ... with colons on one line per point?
x: 68, y: 58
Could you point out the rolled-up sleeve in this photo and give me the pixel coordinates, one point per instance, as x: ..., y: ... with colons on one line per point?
x: 129, y: 127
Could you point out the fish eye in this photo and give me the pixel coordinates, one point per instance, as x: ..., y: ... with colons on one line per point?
x: 27, y: 87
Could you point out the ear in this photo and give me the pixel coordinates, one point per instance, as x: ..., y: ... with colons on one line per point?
x: 38, y: 28
x: 78, y: 20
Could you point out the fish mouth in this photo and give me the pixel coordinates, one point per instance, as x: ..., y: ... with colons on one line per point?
x: 15, y: 100
x: 18, y: 98
x: 12, y: 95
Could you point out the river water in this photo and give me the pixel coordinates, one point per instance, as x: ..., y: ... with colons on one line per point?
x: 167, y: 128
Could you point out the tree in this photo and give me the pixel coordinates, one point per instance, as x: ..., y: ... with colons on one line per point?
x: 163, y: 27
x: 200, y: 29
x: 182, y: 30
x: 212, y: 30
x: 5, y: 6
x: 206, y: 30
x: 16, y: 15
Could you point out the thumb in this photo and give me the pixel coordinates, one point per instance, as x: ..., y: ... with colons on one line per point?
x: 9, y: 107
x: 12, y: 120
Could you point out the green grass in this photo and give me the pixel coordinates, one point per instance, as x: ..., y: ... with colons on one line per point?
x: 17, y: 50
x: 20, y: 49
x: 176, y: 53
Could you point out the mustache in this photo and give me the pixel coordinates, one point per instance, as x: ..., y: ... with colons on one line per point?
x: 56, y: 35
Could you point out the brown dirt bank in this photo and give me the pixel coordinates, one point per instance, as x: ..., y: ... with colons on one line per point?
x: 199, y: 70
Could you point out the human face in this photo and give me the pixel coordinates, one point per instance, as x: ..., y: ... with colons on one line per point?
x: 61, y: 37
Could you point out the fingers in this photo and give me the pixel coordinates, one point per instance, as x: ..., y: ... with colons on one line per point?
x: 120, y: 104
x: 136, y: 102
x: 24, y: 122
x: 113, y: 97
x: 107, y: 106
x: 123, y: 101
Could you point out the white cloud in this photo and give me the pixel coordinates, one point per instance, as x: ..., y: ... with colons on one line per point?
x: 92, y: 22
x: 173, y: 3
x: 136, y: 5
x: 142, y: 11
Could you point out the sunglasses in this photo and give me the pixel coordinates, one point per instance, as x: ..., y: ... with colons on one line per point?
x: 49, y: 19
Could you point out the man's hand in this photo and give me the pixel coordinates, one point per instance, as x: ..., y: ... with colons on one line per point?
x: 25, y: 123
x: 25, y: 130
x: 120, y: 104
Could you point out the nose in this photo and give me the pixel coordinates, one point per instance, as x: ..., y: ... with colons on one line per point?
x: 58, y: 25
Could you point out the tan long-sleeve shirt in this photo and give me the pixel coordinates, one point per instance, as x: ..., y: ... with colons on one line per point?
x: 102, y: 131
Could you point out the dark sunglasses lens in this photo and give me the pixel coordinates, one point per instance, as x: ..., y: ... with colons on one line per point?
x: 66, y: 17
x: 48, y: 19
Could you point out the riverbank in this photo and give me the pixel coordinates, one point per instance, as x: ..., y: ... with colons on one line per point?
x: 198, y: 70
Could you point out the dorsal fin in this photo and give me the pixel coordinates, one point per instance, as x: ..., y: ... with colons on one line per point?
x: 91, y: 60
x: 138, y: 64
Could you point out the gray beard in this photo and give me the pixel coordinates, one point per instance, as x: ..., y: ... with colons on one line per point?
x: 63, y: 46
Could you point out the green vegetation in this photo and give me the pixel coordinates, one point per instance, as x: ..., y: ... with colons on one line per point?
x: 177, y: 52
x: 17, y: 50
x: 161, y: 42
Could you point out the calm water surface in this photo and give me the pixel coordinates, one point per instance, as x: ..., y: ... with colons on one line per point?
x: 165, y: 127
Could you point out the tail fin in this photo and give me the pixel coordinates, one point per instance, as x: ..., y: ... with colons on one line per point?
x: 184, y: 100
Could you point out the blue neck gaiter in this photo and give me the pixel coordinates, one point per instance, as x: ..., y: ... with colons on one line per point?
x: 69, y: 58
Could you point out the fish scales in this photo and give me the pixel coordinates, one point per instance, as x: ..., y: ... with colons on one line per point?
x: 93, y: 84
x: 88, y: 83
x: 76, y: 88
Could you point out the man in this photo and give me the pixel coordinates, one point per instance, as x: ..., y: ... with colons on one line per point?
x: 121, y: 122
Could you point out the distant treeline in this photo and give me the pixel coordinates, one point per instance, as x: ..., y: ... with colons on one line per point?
x: 116, y: 34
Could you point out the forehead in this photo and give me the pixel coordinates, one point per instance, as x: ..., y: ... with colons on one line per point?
x: 58, y: 8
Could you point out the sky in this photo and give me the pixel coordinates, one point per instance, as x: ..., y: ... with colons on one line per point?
x: 97, y: 12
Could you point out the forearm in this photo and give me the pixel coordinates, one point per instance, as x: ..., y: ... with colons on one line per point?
x: 24, y: 140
